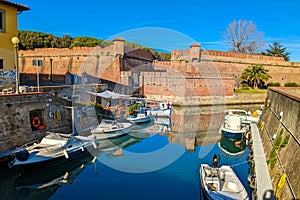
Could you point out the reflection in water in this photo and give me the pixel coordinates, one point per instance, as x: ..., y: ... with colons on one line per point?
x: 196, y: 130
x: 199, y: 126
x: 232, y: 147
x: 42, y: 183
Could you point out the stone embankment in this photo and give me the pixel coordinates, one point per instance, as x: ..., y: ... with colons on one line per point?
x: 236, y: 99
x: 27, y: 117
x: 280, y: 136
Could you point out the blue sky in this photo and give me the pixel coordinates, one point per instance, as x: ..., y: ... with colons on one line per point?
x: 165, y: 24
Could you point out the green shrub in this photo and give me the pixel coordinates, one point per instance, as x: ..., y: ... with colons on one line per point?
x: 276, y: 145
x: 291, y: 84
x: 273, y: 162
x: 245, y: 86
x: 277, y: 141
x: 281, y: 131
x: 273, y: 153
x: 285, y: 141
x: 276, y: 84
x: 273, y: 158
x: 133, y: 109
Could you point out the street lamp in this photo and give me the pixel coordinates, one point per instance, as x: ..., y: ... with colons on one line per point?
x: 15, y: 41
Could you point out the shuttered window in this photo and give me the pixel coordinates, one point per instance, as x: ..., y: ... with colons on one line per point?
x: 2, y: 21
x: 1, y: 64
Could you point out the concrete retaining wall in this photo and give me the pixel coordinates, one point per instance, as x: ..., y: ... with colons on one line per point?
x: 18, y: 111
x: 286, y: 100
x: 237, y: 98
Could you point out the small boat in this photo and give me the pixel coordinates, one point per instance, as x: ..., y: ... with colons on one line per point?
x: 53, y: 149
x: 221, y: 182
x: 233, y: 127
x: 246, y: 117
x: 140, y: 118
x: 111, y: 129
x: 163, y: 121
x: 164, y: 110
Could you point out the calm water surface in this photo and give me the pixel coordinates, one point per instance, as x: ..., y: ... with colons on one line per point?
x: 154, y: 162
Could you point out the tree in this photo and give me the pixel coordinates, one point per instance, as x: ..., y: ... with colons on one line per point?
x: 255, y: 74
x: 243, y: 37
x: 85, y: 42
x: 66, y: 41
x: 277, y: 50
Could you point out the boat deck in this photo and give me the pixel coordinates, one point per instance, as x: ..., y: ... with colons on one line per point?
x: 263, y: 180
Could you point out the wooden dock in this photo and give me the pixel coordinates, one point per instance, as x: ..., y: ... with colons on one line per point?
x: 263, y: 180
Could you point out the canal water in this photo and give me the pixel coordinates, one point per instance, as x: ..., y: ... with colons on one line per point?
x: 160, y: 160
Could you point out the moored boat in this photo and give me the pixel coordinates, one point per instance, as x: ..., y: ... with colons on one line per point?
x: 111, y: 129
x: 233, y: 127
x: 163, y: 110
x: 140, y: 118
x: 245, y: 116
x: 221, y: 182
x: 54, y: 148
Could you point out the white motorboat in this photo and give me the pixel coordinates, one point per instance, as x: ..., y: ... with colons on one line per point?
x: 164, y: 110
x: 111, y: 129
x: 246, y: 117
x: 140, y: 118
x: 221, y: 182
x: 233, y: 127
x: 53, y: 149
x: 163, y: 121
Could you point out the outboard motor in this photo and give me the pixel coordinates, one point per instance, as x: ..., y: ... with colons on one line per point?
x: 22, y: 155
x: 215, y: 161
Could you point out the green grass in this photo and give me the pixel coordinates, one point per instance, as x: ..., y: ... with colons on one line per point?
x: 249, y: 90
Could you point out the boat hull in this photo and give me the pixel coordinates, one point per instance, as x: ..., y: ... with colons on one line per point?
x: 111, y: 134
x: 53, y: 161
x: 232, y: 134
x: 160, y: 113
x: 140, y: 120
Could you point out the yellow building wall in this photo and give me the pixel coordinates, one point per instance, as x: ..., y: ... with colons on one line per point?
x: 7, y: 52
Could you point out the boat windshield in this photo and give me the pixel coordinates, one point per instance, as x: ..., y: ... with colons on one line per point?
x: 105, y: 121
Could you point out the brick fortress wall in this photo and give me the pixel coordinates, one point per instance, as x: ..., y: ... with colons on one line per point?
x: 191, y: 72
x: 98, y: 62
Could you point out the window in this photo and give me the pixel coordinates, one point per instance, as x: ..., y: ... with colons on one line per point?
x: 1, y: 64
x: 2, y: 21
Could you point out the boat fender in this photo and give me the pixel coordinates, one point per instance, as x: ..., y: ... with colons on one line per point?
x: 215, y: 161
x: 94, y: 145
x: 36, y: 122
x: 22, y: 155
x: 66, y: 154
x: 252, y: 184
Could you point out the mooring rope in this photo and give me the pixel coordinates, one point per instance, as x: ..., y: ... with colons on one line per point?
x: 239, y: 163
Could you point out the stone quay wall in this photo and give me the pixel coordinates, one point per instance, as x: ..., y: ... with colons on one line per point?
x: 235, y: 99
x: 287, y: 102
x: 18, y: 112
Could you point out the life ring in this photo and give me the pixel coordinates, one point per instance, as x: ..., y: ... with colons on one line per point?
x: 36, y: 122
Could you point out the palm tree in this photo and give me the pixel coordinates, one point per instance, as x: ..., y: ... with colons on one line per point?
x: 255, y: 74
